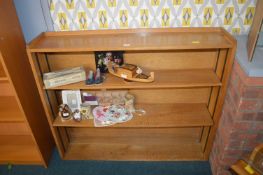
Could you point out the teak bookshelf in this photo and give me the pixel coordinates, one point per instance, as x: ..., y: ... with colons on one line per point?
x: 25, y: 137
x: 183, y: 105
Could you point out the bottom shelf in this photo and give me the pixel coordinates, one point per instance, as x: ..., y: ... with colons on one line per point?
x: 143, y: 148
x: 134, y: 152
x: 18, y: 150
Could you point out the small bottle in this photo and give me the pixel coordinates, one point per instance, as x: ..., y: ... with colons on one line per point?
x: 90, y: 79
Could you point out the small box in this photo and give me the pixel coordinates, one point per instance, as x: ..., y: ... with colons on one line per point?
x: 127, y: 70
x: 64, y: 77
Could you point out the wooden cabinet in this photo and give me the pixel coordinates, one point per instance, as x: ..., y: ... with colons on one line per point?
x: 25, y: 136
x: 183, y: 105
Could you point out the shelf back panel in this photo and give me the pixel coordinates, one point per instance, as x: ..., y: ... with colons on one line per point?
x: 150, y: 60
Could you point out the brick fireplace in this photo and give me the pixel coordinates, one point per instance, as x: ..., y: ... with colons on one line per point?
x: 241, y: 125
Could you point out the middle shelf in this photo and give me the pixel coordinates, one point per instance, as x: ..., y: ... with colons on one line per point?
x: 163, y: 79
x: 157, y: 115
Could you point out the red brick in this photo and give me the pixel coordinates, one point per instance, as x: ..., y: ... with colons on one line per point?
x: 234, y: 98
x: 249, y: 105
x: 235, y: 86
x: 228, y: 161
x: 246, y: 136
x: 252, y: 92
x: 259, y: 116
x: 246, y: 116
x: 226, y: 124
x: 254, y: 81
x: 261, y: 107
x: 223, y: 172
x: 236, y: 144
x: 258, y: 126
x: 260, y: 137
x: 243, y: 126
x: 234, y: 134
x: 250, y: 145
x: 235, y: 153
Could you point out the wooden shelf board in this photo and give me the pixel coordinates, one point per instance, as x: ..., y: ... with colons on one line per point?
x: 139, y: 151
x: 2, y: 78
x: 18, y: 149
x: 163, y: 79
x: 9, y: 110
x: 157, y: 115
x: 2, y: 71
x: 157, y: 39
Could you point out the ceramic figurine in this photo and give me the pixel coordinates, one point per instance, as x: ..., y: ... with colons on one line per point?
x: 76, y: 115
x: 65, y: 112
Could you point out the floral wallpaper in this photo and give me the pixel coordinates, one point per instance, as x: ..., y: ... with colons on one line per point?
x: 236, y: 16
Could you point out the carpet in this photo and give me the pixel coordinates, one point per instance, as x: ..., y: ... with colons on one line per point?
x: 69, y: 167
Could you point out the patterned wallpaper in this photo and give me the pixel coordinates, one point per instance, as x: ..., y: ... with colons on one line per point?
x: 234, y: 15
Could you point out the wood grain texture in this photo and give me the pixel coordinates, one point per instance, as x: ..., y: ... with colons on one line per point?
x: 89, y: 135
x: 9, y: 110
x: 221, y: 97
x: 134, y: 151
x: 11, y: 146
x: 45, y: 101
x: 132, y: 39
x: 171, y: 95
x: 14, y: 128
x: 147, y: 60
x: 2, y: 71
x: 6, y: 89
x: 163, y: 79
x: 17, y: 68
x: 183, y: 105
x: 157, y: 115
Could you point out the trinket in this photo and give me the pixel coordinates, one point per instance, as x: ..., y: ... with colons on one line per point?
x: 90, y: 79
x: 85, y: 111
x: 106, y: 116
x: 130, y: 72
x: 65, y: 112
x: 129, y: 102
x: 76, y: 115
x: 89, y: 99
x: 98, y: 78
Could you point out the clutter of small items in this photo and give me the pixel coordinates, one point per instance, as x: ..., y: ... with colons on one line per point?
x: 104, y: 107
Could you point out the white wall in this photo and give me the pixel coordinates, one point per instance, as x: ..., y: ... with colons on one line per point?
x: 34, y: 17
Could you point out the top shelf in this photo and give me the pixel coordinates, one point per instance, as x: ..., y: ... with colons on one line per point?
x: 132, y: 39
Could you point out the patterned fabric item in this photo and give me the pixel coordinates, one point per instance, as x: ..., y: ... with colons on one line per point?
x: 234, y: 15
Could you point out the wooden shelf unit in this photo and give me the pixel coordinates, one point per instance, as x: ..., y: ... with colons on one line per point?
x: 25, y: 137
x: 183, y: 105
